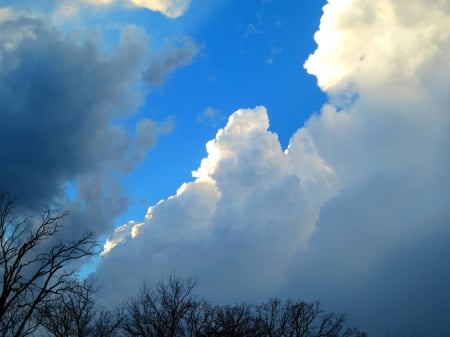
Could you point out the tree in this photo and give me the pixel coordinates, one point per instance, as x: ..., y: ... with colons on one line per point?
x: 199, y: 320
x: 75, y: 313
x: 302, y: 319
x: 34, y: 264
x: 272, y: 318
x: 161, y: 312
x: 236, y: 321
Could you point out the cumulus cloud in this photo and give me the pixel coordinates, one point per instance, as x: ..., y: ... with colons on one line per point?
x: 354, y: 212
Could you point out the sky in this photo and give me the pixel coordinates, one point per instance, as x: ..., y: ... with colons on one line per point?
x: 268, y: 147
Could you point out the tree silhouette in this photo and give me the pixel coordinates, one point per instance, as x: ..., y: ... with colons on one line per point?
x: 34, y: 264
x: 160, y: 312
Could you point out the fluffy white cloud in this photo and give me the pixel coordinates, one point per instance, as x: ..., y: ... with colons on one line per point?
x: 383, y: 64
x: 373, y: 164
x: 381, y: 42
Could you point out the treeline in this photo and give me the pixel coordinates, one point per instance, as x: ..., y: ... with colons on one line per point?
x: 172, y: 310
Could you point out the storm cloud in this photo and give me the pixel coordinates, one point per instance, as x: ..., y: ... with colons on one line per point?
x: 62, y: 104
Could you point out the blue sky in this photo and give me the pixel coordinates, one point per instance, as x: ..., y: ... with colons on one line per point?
x: 270, y: 148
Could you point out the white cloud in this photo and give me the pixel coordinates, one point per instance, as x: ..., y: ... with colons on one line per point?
x: 374, y: 42
x: 170, y: 8
x: 120, y: 235
x: 373, y: 165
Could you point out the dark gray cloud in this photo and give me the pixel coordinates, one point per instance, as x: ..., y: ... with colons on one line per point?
x: 169, y: 59
x: 60, y: 100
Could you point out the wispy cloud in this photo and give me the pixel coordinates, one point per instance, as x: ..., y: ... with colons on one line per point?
x: 169, y: 59
x: 273, y: 52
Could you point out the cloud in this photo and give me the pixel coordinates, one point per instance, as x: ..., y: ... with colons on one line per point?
x: 59, y: 105
x: 170, y: 8
x: 355, y: 211
x: 211, y: 116
x: 387, y: 49
x: 385, y: 133
x: 58, y: 9
x: 251, y: 204
x: 273, y: 52
x: 169, y: 59
x: 208, y: 114
x: 5, y: 12
x: 252, y: 30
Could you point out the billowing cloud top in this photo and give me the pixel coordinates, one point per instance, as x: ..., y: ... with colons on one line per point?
x: 251, y: 203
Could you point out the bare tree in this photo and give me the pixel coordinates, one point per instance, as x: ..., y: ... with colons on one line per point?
x: 75, y: 313
x: 301, y: 319
x: 200, y: 320
x: 237, y: 321
x: 34, y: 264
x: 309, y: 320
x: 160, y: 312
x: 272, y: 318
